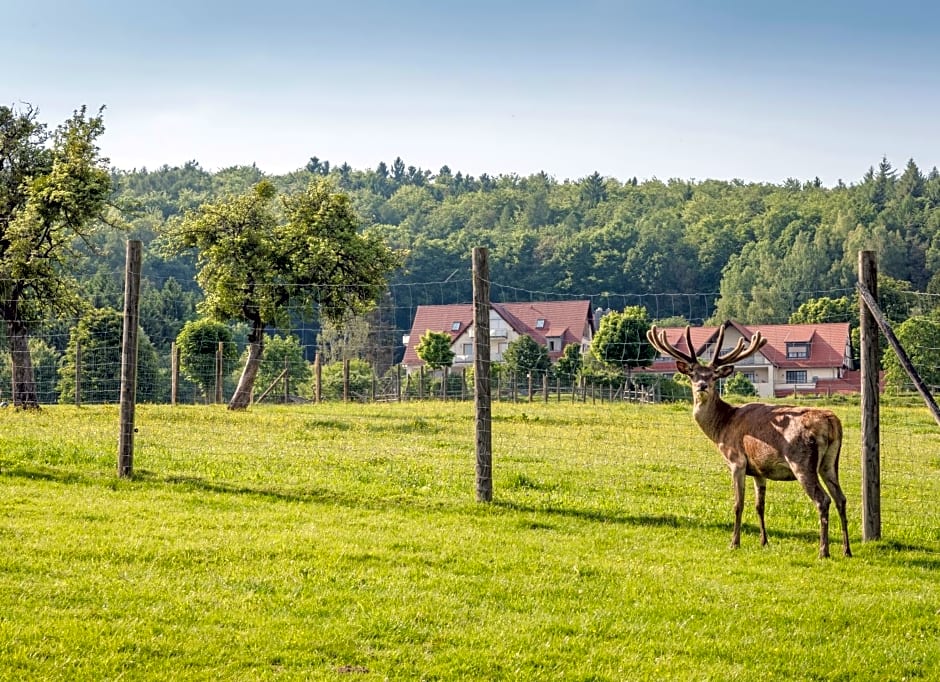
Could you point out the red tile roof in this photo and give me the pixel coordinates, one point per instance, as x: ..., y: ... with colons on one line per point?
x: 827, y: 341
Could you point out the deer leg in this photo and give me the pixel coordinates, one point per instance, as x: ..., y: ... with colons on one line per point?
x: 760, y: 492
x: 811, y: 485
x: 830, y: 475
x: 737, y: 478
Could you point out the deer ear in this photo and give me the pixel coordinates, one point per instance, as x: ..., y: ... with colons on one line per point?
x: 725, y: 371
x: 684, y: 367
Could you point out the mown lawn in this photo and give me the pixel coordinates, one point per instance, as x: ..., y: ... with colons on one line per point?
x: 344, y: 542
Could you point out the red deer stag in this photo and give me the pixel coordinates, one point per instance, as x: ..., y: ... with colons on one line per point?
x: 768, y: 442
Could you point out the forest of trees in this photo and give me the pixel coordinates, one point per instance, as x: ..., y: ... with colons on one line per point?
x: 700, y: 251
x: 754, y: 252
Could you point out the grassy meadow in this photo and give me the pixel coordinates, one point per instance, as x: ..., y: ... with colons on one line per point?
x: 344, y: 542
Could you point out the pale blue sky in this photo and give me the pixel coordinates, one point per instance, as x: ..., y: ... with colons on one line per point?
x: 757, y: 90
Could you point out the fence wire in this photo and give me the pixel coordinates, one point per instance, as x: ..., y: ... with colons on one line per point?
x: 73, y: 363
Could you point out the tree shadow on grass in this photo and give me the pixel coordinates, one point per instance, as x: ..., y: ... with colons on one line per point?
x: 596, y: 515
x: 196, y: 483
x: 48, y: 474
x: 909, y: 554
x: 189, y: 483
x: 923, y: 556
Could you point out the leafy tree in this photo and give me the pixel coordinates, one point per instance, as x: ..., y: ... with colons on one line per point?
x: 894, y: 298
x: 435, y: 349
x: 598, y: 373
x: 825, y: 309
x: 912, y: 182
x: 52, y: 188
x: 526, y: 357
x: 198, y: 344
x: 881, y: 188
x: 99, y: 334
x: 164, y: 311
x: 621, y: 340
x: 102, y: 290
x: 673, y: 321
x: 45, y: 360
x: 371, y: 337
x: 258, y: 265
x: 280, y: 352
x: 740, y: 385
x: 920, y: 338
x: 46, y: 366
x: 398, y: 169
x: 569, y: 364
x: 593, y: 190
x: 360, y: 380
x: 343, y: 340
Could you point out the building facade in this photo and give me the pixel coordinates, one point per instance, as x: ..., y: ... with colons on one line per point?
x: 552, y: 324
x: 798, y: 358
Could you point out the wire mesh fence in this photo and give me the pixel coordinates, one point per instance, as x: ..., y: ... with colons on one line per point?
x: 77, y: 361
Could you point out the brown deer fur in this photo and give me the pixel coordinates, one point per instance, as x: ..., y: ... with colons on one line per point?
x: 767, y: 442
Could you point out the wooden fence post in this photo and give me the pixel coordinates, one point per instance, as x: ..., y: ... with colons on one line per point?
x: 125, y: 464
x: 346, y: 380
x: 481, y: 375
x: 318, y: 373
x: 218, y: 371
x: 870, y: 434
x: 174, y: 373
x: 78, y: 374
x: 286, y: 381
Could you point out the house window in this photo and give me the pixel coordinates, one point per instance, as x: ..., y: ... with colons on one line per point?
x: 468, y: 349
x: 540, y: 323
x: 454, y: 326
x: 797, y: 351
x: 553, y: 344
x: 796, y: 376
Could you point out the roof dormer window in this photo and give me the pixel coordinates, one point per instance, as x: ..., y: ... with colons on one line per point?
x: 797, y: 351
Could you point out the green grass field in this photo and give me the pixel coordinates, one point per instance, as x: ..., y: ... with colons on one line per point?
x: 340, y: 542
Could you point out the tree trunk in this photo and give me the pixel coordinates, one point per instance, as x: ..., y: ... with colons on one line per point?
x: 241, y: 399
x: 24, y: 379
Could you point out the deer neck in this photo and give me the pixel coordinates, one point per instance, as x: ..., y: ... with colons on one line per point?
x: 712, y: 414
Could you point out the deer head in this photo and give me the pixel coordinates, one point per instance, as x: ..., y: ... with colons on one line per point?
x: 704, y: 377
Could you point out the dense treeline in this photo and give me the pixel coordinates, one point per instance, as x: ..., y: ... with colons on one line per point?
x: 756, y: 252
x: 751, y: 251
x: 679, y: 250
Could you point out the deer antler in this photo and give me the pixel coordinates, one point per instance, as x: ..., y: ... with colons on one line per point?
x: 739, y: 352
x: 657, y: 338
